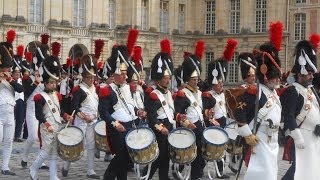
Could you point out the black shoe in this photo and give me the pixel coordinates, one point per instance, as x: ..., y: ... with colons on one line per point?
x: 18, y: 140
x: 93, y: 176
x: 235, y: 171
x: 97, y: 154
x: 224, y: 176
x: 64, y: 172
x: 44, y: 167
x: 8, y: 172
x: 24, y: 164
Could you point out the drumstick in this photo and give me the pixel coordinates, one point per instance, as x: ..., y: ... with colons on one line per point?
x: 69, y: 121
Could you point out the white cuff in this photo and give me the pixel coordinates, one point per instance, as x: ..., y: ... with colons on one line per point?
x: 244, y: 130
x: 297, y: 136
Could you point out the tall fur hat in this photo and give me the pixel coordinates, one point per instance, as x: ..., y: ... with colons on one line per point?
x: 162, y: 63
x: 305, y: 58
x: 51, y: 65
x: 7, y: 50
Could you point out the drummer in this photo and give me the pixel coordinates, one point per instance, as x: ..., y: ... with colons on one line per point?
x: 48, y: 112
x: 188, y: 101
x: 116, y: 107
x: 215, y: 98
x: 85, y: 104
x: 160, y: 108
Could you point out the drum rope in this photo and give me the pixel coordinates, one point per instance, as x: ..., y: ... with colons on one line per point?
x: 187, y: 173
x: 137, y: 171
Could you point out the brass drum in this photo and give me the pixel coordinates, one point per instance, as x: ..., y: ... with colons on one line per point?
x: 182, y: 146
x: 142, y: 145
x: 70, y: 143
x: 100, y: 137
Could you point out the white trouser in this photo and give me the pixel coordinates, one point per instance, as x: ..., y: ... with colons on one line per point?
x: 88, y: 131
x: 7, y: 126
x: 32, y: 125
x: 48, y: 151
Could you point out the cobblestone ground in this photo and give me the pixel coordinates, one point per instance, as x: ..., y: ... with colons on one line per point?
x: 78, y: 169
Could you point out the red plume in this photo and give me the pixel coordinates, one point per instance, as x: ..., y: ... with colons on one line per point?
x: 55, y: 48
x: 69, y: 62
x: 165, y: 46
x: 229, y: 49
x: 20, y: 50
x: 137, y: 56
x: 44, y: 38
x: 199, y: 49
x: 11, y: 35
x: 98, y: 44
x: 100, y: 65
x: 314, y: 40
x: 276, y: 33
x: 132, y: 39
x: 29, y: 57
x: 186, y: 54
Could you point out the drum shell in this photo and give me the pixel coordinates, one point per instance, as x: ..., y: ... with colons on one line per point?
x: 183, y: 155
x: 210, y: 151
x: 71, y: 153
x: 144, y: 155
x: 101, y: 142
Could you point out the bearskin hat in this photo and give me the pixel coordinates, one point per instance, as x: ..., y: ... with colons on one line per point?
x: 162, y: 64
x: 191, y: 66
x: 7, y: 50
x: 247, y: 64
x: 51, y: 65
x: 305, y: 58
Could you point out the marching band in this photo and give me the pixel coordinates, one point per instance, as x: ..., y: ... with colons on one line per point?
x: 177, y: 117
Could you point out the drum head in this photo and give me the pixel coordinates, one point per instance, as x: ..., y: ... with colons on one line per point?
x: 215, y: 135
x: 140, y: 138
x: 70, y: 136
x: 100, y: 128
x: 181, y: 138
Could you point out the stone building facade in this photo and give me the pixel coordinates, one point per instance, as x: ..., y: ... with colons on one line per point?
x: 184, y: 22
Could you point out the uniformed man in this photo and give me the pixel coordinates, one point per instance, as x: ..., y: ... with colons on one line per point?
x: 301, y: 115
x: 189, y: 102
x: 117, y: 108
x: 8, y: 86
x: 48, y: 113
x: 85, y: 104
x: 32, y: 85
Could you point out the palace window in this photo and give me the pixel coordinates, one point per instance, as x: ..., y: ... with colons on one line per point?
x: 144, y: 14
x: 209, y: 58
x: 233, y: 69
x: 182, y: 17
x: 210, y: 17
x: 36, y: 11
x: 234, y: 16
x: 164, y: 14
x: 261, y: 15
x: 300, y: 1
x: 112, y: 14
x: 79, y: 13
x: 299, y: 26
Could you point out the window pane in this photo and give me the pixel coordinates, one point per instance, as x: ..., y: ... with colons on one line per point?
x: 261, y: 15
x: 209, y: 58
x: 112, y: 14
x: 210, y: 18
x: 234, y: 16
x: 233, y: 70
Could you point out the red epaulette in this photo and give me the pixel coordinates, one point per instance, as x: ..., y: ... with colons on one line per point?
x: 154, y: 96
x: 149, y: 89
x: 280, y: 91
x: 37, y: 97
x: 252, y: 89
x: 75, y: 89
x: 25, y: 78
x: 181, y: 93
x: 59, y: 96
x: 104, y: 91
x: 174, y: 95
x: 206, y: 94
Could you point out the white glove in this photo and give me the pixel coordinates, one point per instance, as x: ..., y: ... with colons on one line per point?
x: 298, y: 139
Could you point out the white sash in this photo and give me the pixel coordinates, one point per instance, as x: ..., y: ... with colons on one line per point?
x: 165, y: 106
x: 93, y: 99
x: 304, y: 111
x: 7, y: 85
x: 195, y: 104
x: 123, y: 101
x: 53, y: 107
